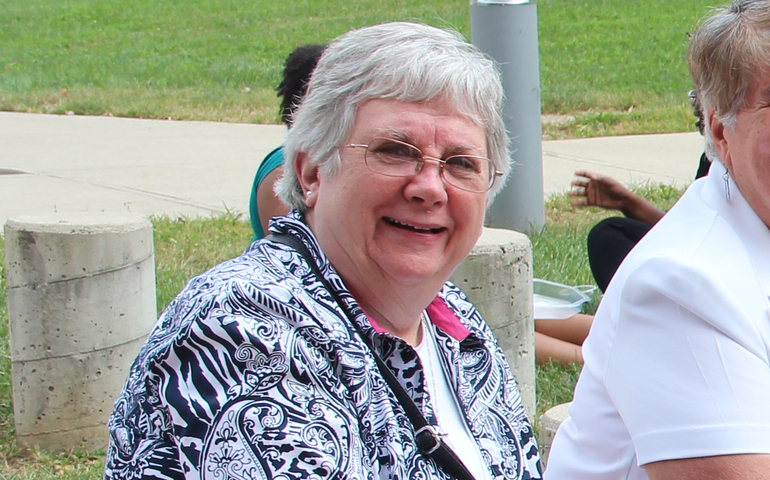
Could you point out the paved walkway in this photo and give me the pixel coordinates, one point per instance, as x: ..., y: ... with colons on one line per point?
x: 51, y: 163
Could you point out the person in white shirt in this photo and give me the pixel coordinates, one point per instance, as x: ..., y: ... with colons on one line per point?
x: 676, y: 383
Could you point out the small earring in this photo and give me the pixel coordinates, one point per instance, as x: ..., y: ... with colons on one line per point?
x: 309, y: 192
x: 726, y: 178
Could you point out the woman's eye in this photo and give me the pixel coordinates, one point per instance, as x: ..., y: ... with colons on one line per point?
x: 467, y: 164
x: 398, y: 150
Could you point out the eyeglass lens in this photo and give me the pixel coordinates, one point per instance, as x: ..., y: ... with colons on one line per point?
x: 398, y: 159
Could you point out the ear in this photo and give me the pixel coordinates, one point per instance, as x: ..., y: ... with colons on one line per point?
x: 718, y: 137
x: 309, y: 180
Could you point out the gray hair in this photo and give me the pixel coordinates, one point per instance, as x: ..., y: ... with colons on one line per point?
x: 725, y: 52
x: 402, y: 61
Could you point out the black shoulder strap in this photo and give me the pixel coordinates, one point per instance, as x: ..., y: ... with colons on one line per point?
x: 427, y: 439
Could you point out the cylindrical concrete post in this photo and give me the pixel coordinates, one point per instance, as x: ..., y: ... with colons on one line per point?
x: 550, y: 422
x: 81, y: 301
x: 506, y: 30
x: 497, y: 277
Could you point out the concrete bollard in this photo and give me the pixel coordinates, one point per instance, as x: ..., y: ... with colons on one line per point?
x: 549, y: 424
x: 497, y: 277
x: 81, y: 301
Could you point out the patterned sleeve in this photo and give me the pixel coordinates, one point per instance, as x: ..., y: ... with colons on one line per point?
x: 242, y: 389
x: 133, y: 454
x: 142, y: 444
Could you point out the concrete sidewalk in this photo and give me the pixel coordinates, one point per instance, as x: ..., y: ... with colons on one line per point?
x: 51, y: 163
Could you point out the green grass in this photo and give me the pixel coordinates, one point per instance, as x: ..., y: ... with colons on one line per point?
x: 616, y: 66
x: 555, y: 385
x: 6, y: 407
x: 185, y: 247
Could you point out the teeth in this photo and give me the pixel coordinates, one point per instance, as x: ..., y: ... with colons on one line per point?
x: 419, y: 229
x: 411, y: 226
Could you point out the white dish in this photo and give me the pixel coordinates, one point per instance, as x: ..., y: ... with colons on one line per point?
x: 556, y: 301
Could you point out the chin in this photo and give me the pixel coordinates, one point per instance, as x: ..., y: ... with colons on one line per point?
x: 413, y: 274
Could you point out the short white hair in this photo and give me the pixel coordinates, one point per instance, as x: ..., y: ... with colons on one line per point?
x: 401, y: 61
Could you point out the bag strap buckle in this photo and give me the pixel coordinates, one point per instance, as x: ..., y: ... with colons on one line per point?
x: 428, y: 439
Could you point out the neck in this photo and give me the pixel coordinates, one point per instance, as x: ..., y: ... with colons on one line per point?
x: 399, y: 322
x: 395, y: 306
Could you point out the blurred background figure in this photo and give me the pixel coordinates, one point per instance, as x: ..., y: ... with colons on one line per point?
x: 263, y: 203
x: 611, y: 239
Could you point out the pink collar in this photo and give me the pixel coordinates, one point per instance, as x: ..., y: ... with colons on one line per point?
x: 442, y: 317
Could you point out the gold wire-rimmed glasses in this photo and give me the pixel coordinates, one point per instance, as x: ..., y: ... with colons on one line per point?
x: 395, y: 158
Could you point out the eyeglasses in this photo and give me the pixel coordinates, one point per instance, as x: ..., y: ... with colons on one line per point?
x: 394, y: 158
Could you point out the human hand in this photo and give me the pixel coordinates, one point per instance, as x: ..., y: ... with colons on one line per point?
x: 595, y: 190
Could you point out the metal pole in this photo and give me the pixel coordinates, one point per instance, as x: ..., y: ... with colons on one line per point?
x: 507, y: 32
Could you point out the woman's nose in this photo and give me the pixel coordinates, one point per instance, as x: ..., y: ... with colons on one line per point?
x: 427, y: 184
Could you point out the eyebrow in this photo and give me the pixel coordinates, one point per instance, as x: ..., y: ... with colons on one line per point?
x: 411, y: 140
x: 397, y: 135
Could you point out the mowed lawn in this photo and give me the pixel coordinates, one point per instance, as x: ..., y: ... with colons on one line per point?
x: 613, y: 66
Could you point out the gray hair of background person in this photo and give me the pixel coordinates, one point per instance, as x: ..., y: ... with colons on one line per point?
x: 401, y: 61
x: 724, y: 53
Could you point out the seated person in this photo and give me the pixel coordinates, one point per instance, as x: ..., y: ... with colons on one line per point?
x: 561, y: 341
x: 611, y: 239
x: 263, y: 203
x: 676, y: 380
x: 335, y: 347
x: 554, y: 340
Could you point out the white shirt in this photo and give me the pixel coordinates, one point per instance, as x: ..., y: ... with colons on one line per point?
x: 446, y: 408
x: 677, y: 364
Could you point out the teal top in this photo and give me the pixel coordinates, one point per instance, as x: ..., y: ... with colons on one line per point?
x: 272, y: 161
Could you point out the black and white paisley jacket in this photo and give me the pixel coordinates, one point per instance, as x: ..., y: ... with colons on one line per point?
x: 253, y: 372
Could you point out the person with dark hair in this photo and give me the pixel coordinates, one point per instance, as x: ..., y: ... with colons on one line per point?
x: 610, y: 240
x: 296, y: 74
x: 676, y: 380
x: 263, y: 203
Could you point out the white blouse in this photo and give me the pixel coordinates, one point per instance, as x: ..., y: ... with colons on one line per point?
x: 445, y: 406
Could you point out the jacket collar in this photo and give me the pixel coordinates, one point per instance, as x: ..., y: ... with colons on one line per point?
x: 438, y: 311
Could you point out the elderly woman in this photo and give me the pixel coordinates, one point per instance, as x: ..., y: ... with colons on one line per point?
x: 676, y: 383
x: 317, y: 352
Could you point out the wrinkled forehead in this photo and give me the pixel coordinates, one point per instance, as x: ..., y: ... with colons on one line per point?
x: 392, y: 115
x: 421, y: 124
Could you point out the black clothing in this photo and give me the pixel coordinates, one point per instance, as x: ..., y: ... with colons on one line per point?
x: 610, y: 240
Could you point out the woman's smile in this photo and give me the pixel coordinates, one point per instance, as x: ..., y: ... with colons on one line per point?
x: 413, y: 227
x: 400, y: 230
